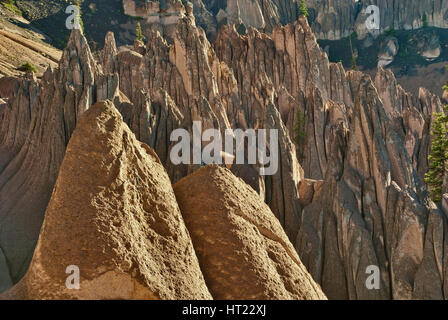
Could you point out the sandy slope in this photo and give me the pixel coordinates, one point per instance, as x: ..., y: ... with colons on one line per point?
x: 20, y: 44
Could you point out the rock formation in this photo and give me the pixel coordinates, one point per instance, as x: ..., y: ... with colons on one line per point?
x: 36, y: 127
x: 388, y: 50
x: 121, y: 224
x: 244, y: 254
x: 352, y: 128
x: 426, y: 45
x: 349, y: 191
x: 334, y: 20
x: 330, y: 19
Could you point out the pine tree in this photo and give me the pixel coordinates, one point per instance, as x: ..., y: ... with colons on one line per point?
x: 77, y: 3
x: 438, y: 159
x: 353, y: 63
x: 303, y: 11
x: 81, y: 23
x: 424, y: 20
x: 139, y: 33
x: 354, y: 56
x: 299, y: 129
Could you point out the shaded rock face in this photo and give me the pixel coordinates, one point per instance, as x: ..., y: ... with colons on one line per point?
x: 122, y: 226
x: 348, y: 194
x: 402, y: 14
x: 426, y: 45
x: 384, y: 200
x: 245, y: 254
x: 284, y: 68
x: 368, y: 212
x: 157, y: 15
x: 388, y: 51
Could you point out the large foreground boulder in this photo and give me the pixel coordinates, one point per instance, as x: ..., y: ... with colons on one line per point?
x: 242, y: 249
x: 113, y: 215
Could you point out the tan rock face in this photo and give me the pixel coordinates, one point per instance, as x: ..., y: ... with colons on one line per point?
x: 122, y: 226
x: 241, y: 246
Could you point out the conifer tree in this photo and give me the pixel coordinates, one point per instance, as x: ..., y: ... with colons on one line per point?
x: 81, y: 23
x: 139, y: 33
x: 438, y: 158
x: 425, y: 20
x: 300, y: 133
x: 303, y: 11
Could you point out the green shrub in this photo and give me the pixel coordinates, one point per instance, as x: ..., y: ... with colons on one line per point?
x: 27, y: 67
x: 391, y: 32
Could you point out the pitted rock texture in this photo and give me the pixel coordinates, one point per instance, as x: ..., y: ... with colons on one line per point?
x: 242, y: 249
x: 121, y: 223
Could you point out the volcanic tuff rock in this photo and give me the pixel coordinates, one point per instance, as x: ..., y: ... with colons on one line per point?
x: 426, y: 45
x: 363, y: 151
x: 122, y: 225
x: 388, y: 50
x: 366, y: 143
x: 36, y: 126
x: 411, y: 117
x: 334, y: 20
x: 369, y: 212
x: 241, y: 247
x: 330, y: 19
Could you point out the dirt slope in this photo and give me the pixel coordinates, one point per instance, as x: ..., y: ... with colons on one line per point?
x: 20, y: 43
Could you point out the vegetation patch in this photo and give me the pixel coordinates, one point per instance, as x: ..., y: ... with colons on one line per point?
x: 27, y: 67
x: 11, y: 6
